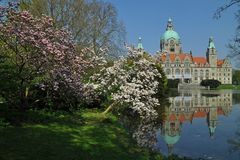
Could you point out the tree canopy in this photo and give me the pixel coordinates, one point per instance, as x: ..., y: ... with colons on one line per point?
x: 234, y: 45
x: 92, y: 23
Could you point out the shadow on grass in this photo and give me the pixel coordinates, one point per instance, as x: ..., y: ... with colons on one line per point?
x: 62, y: 137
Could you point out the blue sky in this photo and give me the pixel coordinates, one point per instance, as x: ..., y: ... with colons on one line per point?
x: 192, y: 19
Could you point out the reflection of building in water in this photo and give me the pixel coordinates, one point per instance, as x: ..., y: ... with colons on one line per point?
x: 186, y: 107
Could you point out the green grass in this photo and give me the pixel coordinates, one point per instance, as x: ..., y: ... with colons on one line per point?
x: 87, y: 135
x: 229, y: 86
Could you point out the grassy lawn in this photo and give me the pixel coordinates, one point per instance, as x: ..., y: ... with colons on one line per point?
x: 229, y: 86
x: 60, y: 136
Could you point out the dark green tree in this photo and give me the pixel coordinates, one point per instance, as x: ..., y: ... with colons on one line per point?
x: 212, y: 83
x: 236, y: 77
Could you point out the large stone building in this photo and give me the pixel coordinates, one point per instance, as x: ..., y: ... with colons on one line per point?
x: 188, y: 68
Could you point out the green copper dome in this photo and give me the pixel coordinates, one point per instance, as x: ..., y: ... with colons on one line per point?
x: 171, y: 140
x: 211, y: 43
x: 170, y: 34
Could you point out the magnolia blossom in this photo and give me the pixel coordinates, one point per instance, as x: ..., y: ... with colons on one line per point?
x: 42, y: 50
x: 132, y: 81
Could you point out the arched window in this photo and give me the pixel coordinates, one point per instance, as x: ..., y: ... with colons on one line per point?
x: 201, y: 73
x: 168, y: 71
x: 187, y: 71
x: 207, y: 74
x: 172, y: 46
x: 177, y: 71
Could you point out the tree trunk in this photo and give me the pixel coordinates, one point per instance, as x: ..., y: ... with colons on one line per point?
x: 109, y: 108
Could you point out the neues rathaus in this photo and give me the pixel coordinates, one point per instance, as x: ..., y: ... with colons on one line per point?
x: 188, y: 68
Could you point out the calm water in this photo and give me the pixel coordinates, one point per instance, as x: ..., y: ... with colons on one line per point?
x: 201, y: 124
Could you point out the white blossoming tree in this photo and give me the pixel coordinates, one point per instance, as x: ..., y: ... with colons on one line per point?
x: 133, y: 82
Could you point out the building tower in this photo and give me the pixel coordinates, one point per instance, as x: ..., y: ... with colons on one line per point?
x: 211, y: 53
x: 140, y: 46
x: 170, y: 40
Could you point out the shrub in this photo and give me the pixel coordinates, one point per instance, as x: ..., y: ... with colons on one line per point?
x: 212, y: 83
x: 173, y: 83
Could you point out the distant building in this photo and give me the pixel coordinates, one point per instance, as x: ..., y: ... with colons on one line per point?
x: 186, y: 67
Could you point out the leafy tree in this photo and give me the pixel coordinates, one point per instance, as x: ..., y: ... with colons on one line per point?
x: 234, y: 45
x: 173, y: 83
x: 92, y: 23
x: 211, y: 83
x: 236, y: 77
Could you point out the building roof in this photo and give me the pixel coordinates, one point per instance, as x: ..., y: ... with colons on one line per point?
x: 170, y: 34
x: 173, y: 56
x: 195, y: 60
x: 200, y: 60
x: 220, y: 63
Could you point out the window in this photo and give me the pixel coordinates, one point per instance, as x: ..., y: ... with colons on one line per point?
x: 168, y: 71
x: 177, y: 71
x: 207, y: 74
x: 201, y: 74
x: 172, y: 47
x: 187, y: 71
x: 195, y: 73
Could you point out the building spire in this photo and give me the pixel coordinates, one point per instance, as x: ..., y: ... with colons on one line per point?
x: 211, y: 43
x: 169, y: 24
x: 140, y: 46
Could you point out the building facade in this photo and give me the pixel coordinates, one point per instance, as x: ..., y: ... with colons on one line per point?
x: 188, y: 68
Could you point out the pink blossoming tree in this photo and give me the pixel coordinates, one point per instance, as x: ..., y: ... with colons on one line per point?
x: 40, y: 56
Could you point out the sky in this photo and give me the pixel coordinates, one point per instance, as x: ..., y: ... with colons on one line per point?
x: 192, y: 19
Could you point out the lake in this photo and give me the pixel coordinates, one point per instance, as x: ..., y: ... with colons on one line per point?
x: 201, y: 124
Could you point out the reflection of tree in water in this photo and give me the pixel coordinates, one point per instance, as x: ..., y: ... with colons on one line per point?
x: 235, y: 141
x: 145, y: 133
x: 236, y: 98
x: 210, y: 95
x: 143, y: 130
